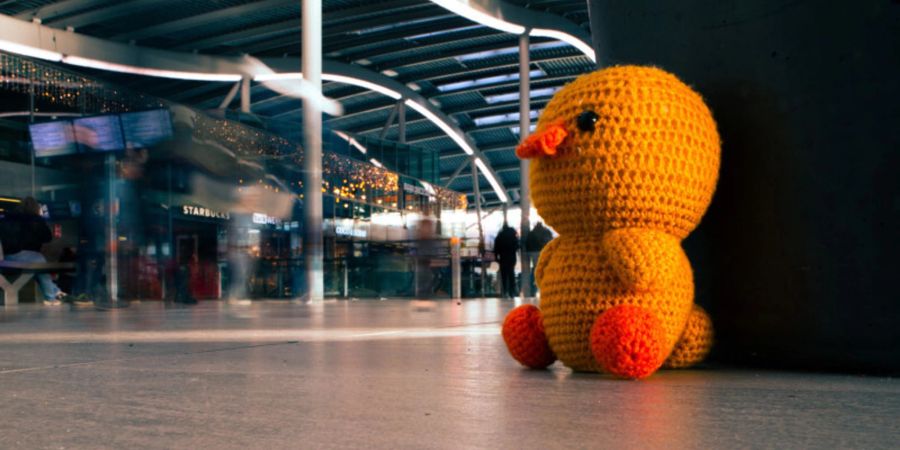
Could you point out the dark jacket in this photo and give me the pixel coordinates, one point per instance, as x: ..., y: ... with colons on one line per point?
x: 20, y: 232
x: 538, y: 238
x: 506, y: 245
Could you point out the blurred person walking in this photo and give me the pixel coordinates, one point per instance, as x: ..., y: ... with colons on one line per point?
x: 506, y: 247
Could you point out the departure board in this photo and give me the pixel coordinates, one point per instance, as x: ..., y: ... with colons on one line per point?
x: 99, y: 134
x: 53, y: 138
x: 147, y: 128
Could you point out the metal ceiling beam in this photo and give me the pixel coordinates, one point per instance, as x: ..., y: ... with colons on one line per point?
x: 508, y: 41
x: 503, y: 65
x: 378, y: 107
x: 293, y: 40
x: 203, y: 19
x: 491, y: 149
x: 514, y: 167
x: 114, y: 10
x: 278, y: 28
x: 49, y: 12
x: 357, y: 47
x: 505, y: 87
x: 423, y: 45
x: 497, y: 108
x: 251, y: 34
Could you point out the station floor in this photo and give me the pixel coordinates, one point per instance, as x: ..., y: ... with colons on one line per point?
x: 383, y: 374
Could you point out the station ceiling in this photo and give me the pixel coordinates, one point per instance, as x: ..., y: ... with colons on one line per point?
x: 467, y: 70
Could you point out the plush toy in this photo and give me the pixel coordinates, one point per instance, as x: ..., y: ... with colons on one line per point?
x: 624, y: 164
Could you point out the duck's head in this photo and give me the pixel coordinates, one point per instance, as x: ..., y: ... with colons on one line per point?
x: 623, y: 147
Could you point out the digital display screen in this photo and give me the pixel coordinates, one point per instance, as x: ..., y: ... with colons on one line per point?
x: 99, y: 134
x: 147, y: 128
x: 53, y: 138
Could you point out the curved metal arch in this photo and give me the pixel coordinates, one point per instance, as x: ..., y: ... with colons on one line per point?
x: 518, y: 20
x: 36, y: 40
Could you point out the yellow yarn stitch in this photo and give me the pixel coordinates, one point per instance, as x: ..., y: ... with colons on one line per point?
x: 622, y: 198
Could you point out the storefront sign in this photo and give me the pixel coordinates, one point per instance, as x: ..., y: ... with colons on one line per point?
x: 262, y: 219
x: 350, y: 231
x: 198, y: 211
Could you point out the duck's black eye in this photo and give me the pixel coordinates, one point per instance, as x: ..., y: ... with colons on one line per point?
x: 587, y: 120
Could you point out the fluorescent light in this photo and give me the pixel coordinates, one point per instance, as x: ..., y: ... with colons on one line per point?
x: 534, y: 93
x: 331, y: 77
x: 464, y: 8
x: 161, y: 73
x: 376, y: 163
x: 444, y: 126
x: 500, y: 118
x: 487, y: 80
x: 487, y: 54
x: 582, y: 46
x: 487, y: 174
x: 32, y: 52
x: 516, y: 129
x: 363, y: 84
x: 469, y: 12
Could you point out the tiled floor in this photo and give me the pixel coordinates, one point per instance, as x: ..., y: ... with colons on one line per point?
x: 384, y: 374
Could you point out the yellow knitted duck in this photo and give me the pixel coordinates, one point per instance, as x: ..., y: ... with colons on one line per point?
x: 625, y: 162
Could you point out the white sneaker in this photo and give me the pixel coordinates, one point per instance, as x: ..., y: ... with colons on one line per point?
x: 53, y: 302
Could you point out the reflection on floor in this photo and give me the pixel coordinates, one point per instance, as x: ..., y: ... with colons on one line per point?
x: 385, y: 374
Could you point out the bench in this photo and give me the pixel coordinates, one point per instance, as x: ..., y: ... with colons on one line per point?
x: 25, y: 272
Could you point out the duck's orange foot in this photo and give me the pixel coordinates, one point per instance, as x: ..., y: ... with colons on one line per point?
x: 628, y: 341
x: 523, y: 331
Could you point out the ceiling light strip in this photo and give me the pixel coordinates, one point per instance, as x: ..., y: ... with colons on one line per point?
x: 494, y: 184
x: 470, y: 10
x: 146, y: 71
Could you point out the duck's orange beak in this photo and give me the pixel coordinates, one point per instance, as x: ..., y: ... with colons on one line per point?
x: 542, y: 143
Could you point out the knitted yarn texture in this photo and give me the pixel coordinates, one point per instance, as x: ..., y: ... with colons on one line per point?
x: 625, y: 164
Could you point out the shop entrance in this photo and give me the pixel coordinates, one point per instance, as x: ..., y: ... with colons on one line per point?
x: 196, y: 255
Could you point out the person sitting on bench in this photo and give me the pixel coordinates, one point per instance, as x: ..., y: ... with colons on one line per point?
x: 23, y: 232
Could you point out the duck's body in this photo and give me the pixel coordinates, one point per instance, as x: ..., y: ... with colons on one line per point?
x: 625, y: 162
x: 579, y: 282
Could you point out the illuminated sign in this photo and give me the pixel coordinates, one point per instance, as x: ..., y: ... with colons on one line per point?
x: 198, y: 211
x: 350, y: 231
x: 262, y: 219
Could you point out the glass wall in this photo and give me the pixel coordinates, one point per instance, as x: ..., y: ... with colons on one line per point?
x: 146, y: 199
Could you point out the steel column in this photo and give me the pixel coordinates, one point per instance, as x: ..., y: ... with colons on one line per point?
x: 245, y: 94
x: 312, y: 148
x: 481, y: 244
x: 401, y: 123
x: 456, y: 174
x: 389, y: 121
x: 231, y: 94
x: 524, y: 183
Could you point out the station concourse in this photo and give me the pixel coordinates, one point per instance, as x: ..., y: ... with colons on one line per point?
x: 448, y: 224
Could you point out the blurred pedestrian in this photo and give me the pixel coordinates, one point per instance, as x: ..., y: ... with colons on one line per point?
x: 538, y: 237
x: 506, y: 247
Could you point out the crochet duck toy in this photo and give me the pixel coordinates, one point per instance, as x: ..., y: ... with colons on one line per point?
x: 624, y: 164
